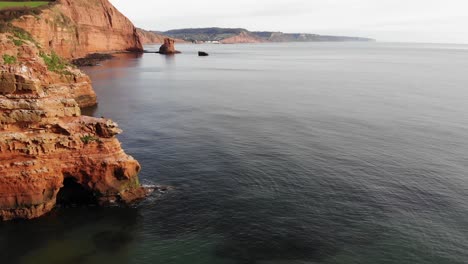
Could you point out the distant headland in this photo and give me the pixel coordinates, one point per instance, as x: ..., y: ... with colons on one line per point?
x: 241, y: 35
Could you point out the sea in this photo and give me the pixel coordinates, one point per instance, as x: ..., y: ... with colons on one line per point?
x: 278, y: 153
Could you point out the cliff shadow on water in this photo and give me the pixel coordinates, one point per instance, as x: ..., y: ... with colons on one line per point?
x: 74, y: 235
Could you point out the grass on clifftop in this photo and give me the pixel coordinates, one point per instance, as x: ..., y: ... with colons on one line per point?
x: 6, y: 4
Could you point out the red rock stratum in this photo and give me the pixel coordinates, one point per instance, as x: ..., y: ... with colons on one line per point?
x: 45, y: 143
x: 74, y: 29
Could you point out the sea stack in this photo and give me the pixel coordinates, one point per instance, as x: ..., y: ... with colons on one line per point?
x: 168, y: 47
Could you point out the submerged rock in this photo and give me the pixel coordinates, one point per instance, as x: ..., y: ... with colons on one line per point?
x: 92, y: 59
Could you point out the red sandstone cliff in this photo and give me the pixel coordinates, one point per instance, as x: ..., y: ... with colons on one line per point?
x: 44, y: 140
x: 243, y: 37
x: 74, y: 28
x: 149, y: 37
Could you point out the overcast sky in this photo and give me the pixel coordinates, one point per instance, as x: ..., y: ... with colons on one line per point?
x: 385, y: 20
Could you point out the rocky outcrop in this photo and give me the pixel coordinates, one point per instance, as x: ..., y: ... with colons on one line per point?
x: 47, y: 148
x: 168, y: 47
x: 74, y: 29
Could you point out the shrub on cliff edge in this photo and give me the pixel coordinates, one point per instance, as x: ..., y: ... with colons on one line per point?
x: 20, y: 36
x: 55, y: 63
x: 8, y: 59
x: 89, y: 139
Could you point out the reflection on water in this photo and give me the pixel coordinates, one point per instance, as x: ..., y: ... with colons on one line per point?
x: 116, y: 67
x: 72, y: 235
x: 334, y: 153
x: 170, y: 59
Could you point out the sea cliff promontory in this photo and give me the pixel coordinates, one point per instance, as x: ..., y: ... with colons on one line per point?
x: 49, y: 152
x: 73, y: 29
x: 151, y: 37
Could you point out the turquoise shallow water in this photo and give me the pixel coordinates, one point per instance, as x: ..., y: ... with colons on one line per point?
x: 279, y: 153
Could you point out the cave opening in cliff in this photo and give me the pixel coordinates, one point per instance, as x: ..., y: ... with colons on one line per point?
x: 74, y: 194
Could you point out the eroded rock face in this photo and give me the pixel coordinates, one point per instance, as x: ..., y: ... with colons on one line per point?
x: 243, y: 37
x: 74, y: 29
x: 45, y: 140
x: 168, y: 47
x: 149, y: 37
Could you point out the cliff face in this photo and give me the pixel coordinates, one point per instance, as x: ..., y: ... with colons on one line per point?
x: 243, y: 37
x: 149, y: 37
x: 240, y: 35
x: 74, y: 29
x: 47, y: 149
x: 300, y: 37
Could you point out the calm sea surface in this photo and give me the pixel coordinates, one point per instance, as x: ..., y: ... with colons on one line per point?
x: 336, y: 153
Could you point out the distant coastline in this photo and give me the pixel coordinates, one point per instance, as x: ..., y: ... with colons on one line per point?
x: 216, y: 35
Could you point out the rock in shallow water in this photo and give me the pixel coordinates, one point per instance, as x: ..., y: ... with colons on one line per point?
x: 168, y: 47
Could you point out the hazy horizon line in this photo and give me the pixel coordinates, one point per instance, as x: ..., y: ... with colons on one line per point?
x: 298, y: 32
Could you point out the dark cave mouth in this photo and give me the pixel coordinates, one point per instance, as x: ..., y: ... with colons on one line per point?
x: 74, y: 194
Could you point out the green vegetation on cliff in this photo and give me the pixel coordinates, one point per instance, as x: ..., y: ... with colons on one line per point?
x: 10, y: 10
x: 7, y: 4
x: 89, y: 139
x: 55, y: 63
x: 22, y: 34
x: 19, y: 35
x: 7, y: 59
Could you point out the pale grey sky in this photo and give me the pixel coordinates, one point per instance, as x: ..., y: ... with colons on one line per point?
x: 385, y: 20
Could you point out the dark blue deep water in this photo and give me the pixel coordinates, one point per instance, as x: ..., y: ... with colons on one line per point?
x: 343, y: 153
